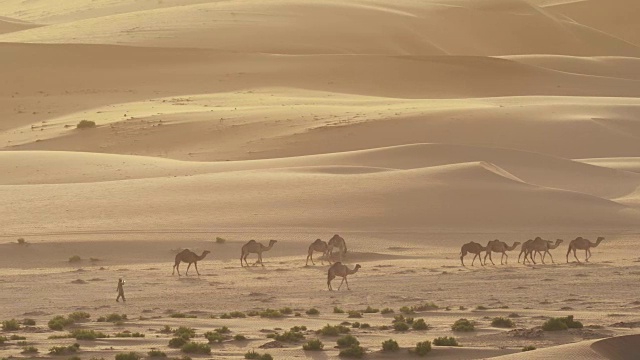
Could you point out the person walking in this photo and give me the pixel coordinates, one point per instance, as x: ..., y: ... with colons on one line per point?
x: 120, y: 290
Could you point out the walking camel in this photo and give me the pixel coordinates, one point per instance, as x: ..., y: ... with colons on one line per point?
x: 254, y: 247
x: 542, y: 247
x: 499, y: 247
x: 337, y: 241
x: 338, y: 269
x: 473, y: 248
x: 525, y: 249
x: 189, y: 257
x: 581, y: 243
x: 320, y: 246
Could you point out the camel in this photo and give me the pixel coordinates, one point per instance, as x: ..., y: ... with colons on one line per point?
x: 338, y: 269
x: 189, y: 257
x: 337, y: 241
x: 253, y: 247
x: 319, y: 246
x: 525, y: 249
x: 473, y: 248
x: 499, y: 247
x: 581, y: 243
x: 542, y: 247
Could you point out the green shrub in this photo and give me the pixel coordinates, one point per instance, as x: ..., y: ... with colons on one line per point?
x: 21, y: 241
x: 390, y: 345
x: 177, y: 342
x: 286, y: 310
x: 253, y: 313
x: 167, y: 330
x: 463, y: 325
x: 299, y: 328
x: 88, y: 124
x: 22, y: 343
x: 337, y: 310
x: 347, y: 341
x: 79, y: 316
x: 3, y: 340
x: 129, y: 356
x: 156, y: 353
x: 401, y: 318
x: 313, y: 311
x: 254, y: 355
x: 502, y: 322
x: 222, y: 330
x: 561, y: 323
x: 87, y: 334
x: 400, y: 326
x: 10, y: 325
x: 572, y: 324
x: 425, y: 307
x: 313, y: 345
x: 184, y: 332
x: 352, y: 352
x: 386, y: 311
x: 271, y: 313
x: 59, y: 322
x: 113, y: 318
x: 370, y: 310
x: 422, y: 348
x: 17, y: 337
x: 237, y: 315
x: 329, y: 330
x: 290, y: 336
x: 481, y: 308
x: 129, y: 334
x: 62, y: 350
x: 225, y: 316
x: 75, y: 259
x: 29, y: 350
x: 355, y: 325
x: 214, y: 337
x: 28, y: 322
x: 528, y: 348
x: 445, y: 341
x: 196, y: 348
x: 514, y: 315
x: 239, y: 337
x: 220, y: 240
x: 420, y: 325
x: 407, y: 310
x: 354, y: 314
x: 365, y: 326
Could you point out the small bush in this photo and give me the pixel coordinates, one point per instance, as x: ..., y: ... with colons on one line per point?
x: 29, y: 350
x: 167, y: 330
x: 254, y: 355
x: 239, y: 337
x: 214, y: 337
x: 28, y: 322
x: 390, y: 345
x: 21, y: 241
x: 354, y: 314
x: 113, y: 318
x: 128, y: 334
x: 62, y: 350
x: 220, y: 240
x: 528, y: 348
x: 407, y: 310
x: 177, y: 342
x: 352, y: 352
x: 347, y: 341
x: 561, y: 323
x: 463, y: 325
x: 75, y: 259
x: 420, y: 325
x: 22, y: 343
x: 3, y: 340
x: 572, y: 324
x: 313, y: 311
x: 299, y: 328
x: 313, y: 345
x: 271, y: 313
x: 425, y: 307
x: 386, y: 311
x: 514, y: 315
x: 88, y: 335
x: 400, y: 326
x: 17, y: 337
x: 370, y: 310
x: 502, y: 322
x: 196, y: 348
x: 156, y: 353
x: 253, y: 313
x: 225, y: 316
x: 481, y: 308
x: 422, y: 348
x: 129, y: 356
x: 445, y: 341
x: 237, y: 315
x: 79, y: 316
x: 365, y: 326
x: 355, y: 325
x: 10, y: 325
x: 329, y: 330
x: 184, y: 332
x: 88, y: 124
x: 286, y: 310
x: 337, y: 310
x: 222, y: 330
x: 290, y: 336
x: 59, y: 322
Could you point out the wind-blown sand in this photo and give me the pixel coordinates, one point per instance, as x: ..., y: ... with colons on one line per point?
x: 407, y: 127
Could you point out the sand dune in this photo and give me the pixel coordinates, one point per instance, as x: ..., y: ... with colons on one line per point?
x: 622, y: 163
x: 8, y: 25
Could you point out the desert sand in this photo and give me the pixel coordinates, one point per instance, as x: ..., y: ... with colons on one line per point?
x: 408, y: 127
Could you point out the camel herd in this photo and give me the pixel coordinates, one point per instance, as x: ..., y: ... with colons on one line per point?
x: 529, y: 248
x: 253, y: 247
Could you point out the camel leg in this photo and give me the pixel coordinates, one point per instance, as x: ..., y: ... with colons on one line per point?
x: 474, y: 259
x: 506, y: 260
x: 574, y: 255
x: 176, y: 267
x: 347, y: 281
x: 196, y: 265
x: 307, y: 263
x: 341, y: 282
x: 551, y: 256
x: 260, y: 258
x: 241, y: 264
x: 490, y: 258
x: 187, y: 273
x: 587, y: 255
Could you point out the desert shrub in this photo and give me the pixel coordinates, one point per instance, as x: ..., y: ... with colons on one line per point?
x: 28, y: 322
x: 354, y: 314
x: 21, y: 241
x: 481, y: 308
x: 178, y: 315
x: 365, y: 326
x: 297, y: 314
x: 313, y: 345
x: 156, y: 353
x: 76, y: 357
x: 75, y: 259
x: 290, y: 336
x: 401, y: 318
x: 425, y: 307
x: 561, y: 323
x: 514, y: 315
x: 370, y: 310
x: 407, y: 310
x: 270, y: 313
x: 502, y: 322
x: 422, y: 348
x: 59, y: 322
x: 390, y: 345
x: 347, y: 341
x: 239, y: 337
x: 355, y: 351
x: 286, y: 310
x: 10, y: 325
x: 572, y: 324
x: 79, y: 316
x: 63, y: 350
x: 254, y: 355
x: 3, y: 340
x: 225, y: 316
x: 184, y: 332
x: 237, y: 314
x: 29, y: 350
x: 271, y: 336
x: 177, y: 342
x: 313, y: 311
x: 345, y: 323
x: 87, y: 124
x: 17, y: 337
x: 220, y: 240
x: 420, y: 325
x: 355, y: 325
x: 445, y: 341
x: 337, y: 310
x: 386, y: 311
x: 463, y: 325
x: 400, y: 326
x: 113, y: 318
x: 129, y: 334
x: 196, y: 348
x: 253, y: 313
x: 87, y: 334
x: 222, y: 330
x: 22, y: 343
x: 336, y: 330
x: 214, y: 337
x: 167, y: 330
x: 299, y: 328
x: 129, y: 356
x: 528, y: 348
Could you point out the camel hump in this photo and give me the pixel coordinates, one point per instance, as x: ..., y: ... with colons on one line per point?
x: 251, y: 241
